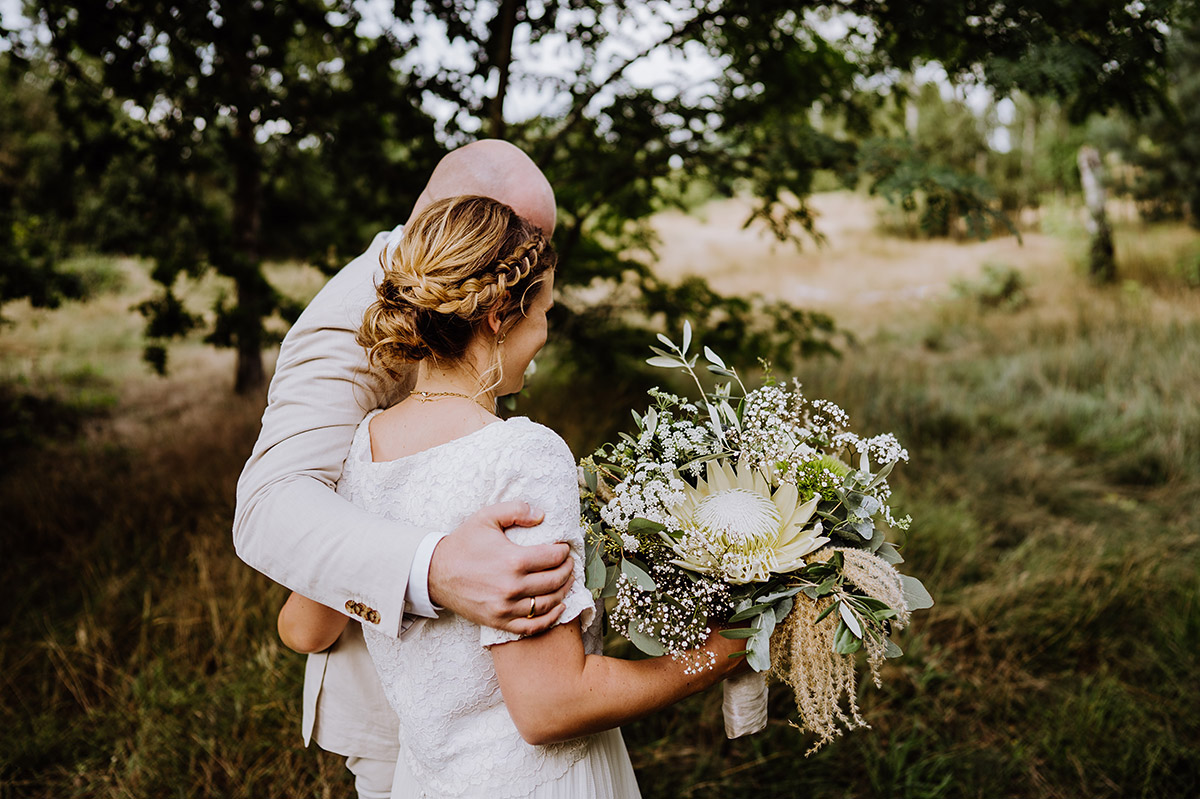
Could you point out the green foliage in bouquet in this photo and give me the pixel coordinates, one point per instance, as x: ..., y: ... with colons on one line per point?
x: 755, y: 510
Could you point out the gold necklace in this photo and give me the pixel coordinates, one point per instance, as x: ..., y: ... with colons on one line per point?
x: 428, y: 396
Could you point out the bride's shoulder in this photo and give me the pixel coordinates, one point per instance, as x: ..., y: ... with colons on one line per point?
x: 533, y: 438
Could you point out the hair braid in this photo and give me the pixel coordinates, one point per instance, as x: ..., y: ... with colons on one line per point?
x: 458, y: 261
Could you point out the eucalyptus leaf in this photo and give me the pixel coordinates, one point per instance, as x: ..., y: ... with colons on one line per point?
x: 591, y: 479
x: 877, y: 538
x: 595, y: 574
x: 639, y: 525
x: 783, y: 608
x: 638, y: 575
x: 664, y: 361
x: 667, y: 341
x: 759, y: 647
x: 610, y: 582
x: 891, y: 650
x: 651, y: 646
x: 687, y: 336
x: 915, y: 594
x: 888, y: 553
x: 713, y: 357
x: 864, y: 527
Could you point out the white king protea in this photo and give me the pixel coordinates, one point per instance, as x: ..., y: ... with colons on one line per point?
x: 733, y: 526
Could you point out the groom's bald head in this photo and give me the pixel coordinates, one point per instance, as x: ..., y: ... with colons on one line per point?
x: 496, y: 169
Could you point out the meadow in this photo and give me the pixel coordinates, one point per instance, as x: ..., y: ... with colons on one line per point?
x: 1054, y: 431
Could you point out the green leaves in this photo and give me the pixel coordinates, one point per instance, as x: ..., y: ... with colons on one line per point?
x: 640, y: 526
x: 735, y: 633
x: 845, y: 642
x: 915, y: 594
x: 637, y: 575
x: 594, y: 571
x: 646, y: 643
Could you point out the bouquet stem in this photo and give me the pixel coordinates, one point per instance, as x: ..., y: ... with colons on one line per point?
x: 745, y: 704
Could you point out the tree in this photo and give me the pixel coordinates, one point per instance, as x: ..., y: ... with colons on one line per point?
x: 32, y: 168
x: 1165, y: 148
x: 265, y: 77
x: 259, y: 124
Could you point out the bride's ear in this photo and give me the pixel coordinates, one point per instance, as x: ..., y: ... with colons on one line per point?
x: 493, y: 321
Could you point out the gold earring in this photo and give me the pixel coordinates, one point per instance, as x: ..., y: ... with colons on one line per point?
x: 501, y: 339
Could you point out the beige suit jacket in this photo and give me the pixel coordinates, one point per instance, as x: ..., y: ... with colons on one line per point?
x: 291, y: 525
x: 345, y: 710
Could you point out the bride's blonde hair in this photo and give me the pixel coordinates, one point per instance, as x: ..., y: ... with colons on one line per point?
x: 459, y: 259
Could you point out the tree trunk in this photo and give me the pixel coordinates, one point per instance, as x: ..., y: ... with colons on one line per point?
x: 1102, y: 265
x: 1028, y: 155
x: 253, y: 291
x: 502, y: 58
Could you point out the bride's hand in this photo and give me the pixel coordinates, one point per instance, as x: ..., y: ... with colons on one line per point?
x: 730, y: 659
x: 479, y: 574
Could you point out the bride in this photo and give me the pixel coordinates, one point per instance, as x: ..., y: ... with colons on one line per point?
x: 484, y: 713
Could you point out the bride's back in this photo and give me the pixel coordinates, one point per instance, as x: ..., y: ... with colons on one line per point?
x: 415, y: 426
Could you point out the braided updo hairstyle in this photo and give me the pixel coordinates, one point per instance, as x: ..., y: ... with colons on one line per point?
x: 457, y: 261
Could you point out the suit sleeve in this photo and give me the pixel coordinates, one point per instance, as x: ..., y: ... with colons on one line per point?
x: 289, y: 523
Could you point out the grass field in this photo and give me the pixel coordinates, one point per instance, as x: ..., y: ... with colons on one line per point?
x: 1055, y: 480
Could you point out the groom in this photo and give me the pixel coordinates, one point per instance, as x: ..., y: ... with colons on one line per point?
x: 292, y: 526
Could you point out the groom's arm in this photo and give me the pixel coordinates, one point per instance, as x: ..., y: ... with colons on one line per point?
x: 289, y: 523
x: 292, y: 526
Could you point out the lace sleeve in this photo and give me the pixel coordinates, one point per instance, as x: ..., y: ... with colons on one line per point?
x: 542, y: 472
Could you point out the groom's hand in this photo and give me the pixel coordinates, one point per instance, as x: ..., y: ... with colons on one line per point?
x: 479, y: 574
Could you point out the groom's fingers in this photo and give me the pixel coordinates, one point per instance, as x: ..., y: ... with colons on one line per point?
x: 510, y: 514
x: 542, y: 603
x: 555, y: 577
x: 535, y: 560
x: 538, y: 624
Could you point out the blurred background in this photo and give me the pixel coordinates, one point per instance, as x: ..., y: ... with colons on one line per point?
x: 972, y: 224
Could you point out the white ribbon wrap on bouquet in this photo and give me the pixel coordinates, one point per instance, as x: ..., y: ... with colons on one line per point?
x: 745, y: 704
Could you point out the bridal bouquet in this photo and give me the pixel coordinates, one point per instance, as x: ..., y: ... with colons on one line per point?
x: 754, y: 507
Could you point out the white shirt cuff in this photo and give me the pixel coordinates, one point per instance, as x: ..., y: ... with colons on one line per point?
x: 416, y: 598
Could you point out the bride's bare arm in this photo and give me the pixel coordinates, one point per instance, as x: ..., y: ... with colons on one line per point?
x: 306, y: 626
x: 554, y: 691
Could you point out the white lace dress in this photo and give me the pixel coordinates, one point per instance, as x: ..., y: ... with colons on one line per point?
x: 456, y: 736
